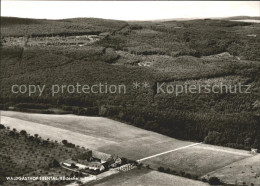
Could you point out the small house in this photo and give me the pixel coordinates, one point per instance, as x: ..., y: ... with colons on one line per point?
x: 81, y: 166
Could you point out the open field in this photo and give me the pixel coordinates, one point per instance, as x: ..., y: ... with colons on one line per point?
x: 53, y: 132
x: 97, y: 133
x: 202, y: 158
x: 246, y: 170
x: 146, y: 177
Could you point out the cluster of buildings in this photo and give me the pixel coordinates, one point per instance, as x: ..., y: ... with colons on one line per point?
x: 92, y: 163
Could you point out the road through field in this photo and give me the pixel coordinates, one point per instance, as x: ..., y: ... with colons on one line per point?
x: 149, y: 157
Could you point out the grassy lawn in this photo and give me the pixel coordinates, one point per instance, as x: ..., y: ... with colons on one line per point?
x: 197, y: 160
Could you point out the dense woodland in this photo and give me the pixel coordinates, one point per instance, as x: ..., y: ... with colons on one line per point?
x: 195, y: 52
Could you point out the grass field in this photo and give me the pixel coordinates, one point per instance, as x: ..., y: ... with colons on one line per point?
x: 146, y: 177
x: 202, y: 158
x: 53, y: 132
x: 97, y: 133
x: 246, y: 171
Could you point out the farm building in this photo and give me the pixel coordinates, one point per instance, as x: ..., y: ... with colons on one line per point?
x: 84, y: 165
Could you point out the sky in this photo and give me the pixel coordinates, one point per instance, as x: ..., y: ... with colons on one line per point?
x: 129, y: 10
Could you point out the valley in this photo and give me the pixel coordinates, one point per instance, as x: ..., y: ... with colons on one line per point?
x: 200, y: 136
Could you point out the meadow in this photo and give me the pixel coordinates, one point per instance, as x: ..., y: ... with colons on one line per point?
x: 202, y: 158
x: 244, y: 172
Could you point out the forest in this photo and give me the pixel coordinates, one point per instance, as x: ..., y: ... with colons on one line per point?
x: 196, y: 52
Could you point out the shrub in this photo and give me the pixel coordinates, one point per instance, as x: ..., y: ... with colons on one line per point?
x: 12, y: 133
x: 31, y: 138
x: 64, y: 142
x: 54, y: 164
x: 214, y: 181
x: 182, y: 173
x: 188, y: 175
x: 161, y: 169
x: 23, y: 132
x: 2, y: 126
x: 168, y: 170
x: 136, y: 27
x: 70, y: 145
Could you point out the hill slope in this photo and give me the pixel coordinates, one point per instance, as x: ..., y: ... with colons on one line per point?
x: 195, y: 52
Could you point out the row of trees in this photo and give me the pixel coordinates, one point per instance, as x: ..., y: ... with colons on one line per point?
x: 236, y: 131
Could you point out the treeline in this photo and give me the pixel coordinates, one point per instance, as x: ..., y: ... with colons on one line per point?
x: 31, y: 106
x: 234, y: 130
x: 240, y: 131
x: 11, y: 26
x: 64, y: 34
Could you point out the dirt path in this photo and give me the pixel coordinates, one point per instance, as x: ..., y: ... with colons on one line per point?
x: 149, y: 157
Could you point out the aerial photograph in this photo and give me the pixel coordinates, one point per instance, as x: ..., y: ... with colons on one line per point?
x: 130, y: 93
